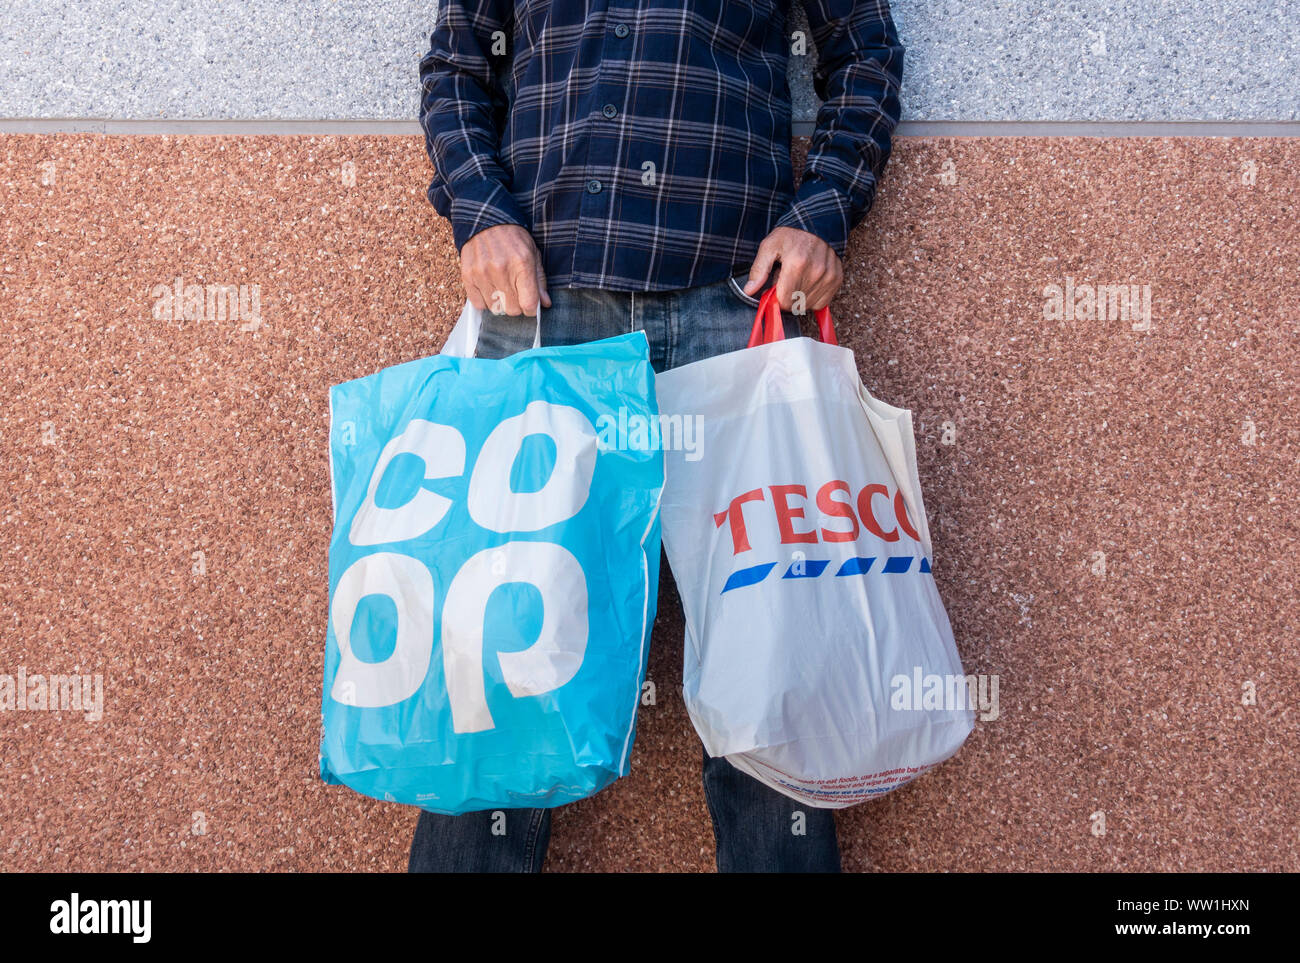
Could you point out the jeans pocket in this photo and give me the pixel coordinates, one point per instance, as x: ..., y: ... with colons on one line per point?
x: 736, y: 287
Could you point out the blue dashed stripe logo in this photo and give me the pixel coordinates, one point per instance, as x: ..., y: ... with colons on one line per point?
x: 815, y: 568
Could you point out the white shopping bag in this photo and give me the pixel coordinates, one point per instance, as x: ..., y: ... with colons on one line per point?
x: 818, y: 656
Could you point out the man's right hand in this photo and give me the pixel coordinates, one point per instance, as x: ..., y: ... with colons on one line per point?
x: 502, y: 271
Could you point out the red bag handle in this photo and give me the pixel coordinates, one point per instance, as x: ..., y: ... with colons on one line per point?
x: 768, y: 327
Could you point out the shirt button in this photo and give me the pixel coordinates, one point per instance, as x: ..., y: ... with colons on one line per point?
x: 593, y: 186
x: 621, y: 31
x: 610, y: 111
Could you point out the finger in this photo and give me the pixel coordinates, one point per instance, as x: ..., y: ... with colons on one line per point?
x: 790, y: 280
x: 811, y: 282
x: 503, y: 298
x: 527, y: 295
x: 830, y: 284
x: 762, y: 266
x: 474, y: 294
x: 817, y: 278
x: 469, y: 277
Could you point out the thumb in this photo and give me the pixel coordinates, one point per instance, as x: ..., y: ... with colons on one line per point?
x: 761, y: 268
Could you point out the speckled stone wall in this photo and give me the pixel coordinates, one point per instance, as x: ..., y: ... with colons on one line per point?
x: 1112, y: 499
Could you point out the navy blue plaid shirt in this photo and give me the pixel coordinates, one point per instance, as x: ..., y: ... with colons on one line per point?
x: 646, y: 145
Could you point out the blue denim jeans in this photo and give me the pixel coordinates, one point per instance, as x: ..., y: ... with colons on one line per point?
x: 756, y: 828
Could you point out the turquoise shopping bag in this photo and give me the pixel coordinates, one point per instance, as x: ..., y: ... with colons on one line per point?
x: 493, y: 575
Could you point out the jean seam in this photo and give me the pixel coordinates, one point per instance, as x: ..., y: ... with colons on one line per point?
x: 671, y: 330
x: 530, y: 842
x: 713, y: 813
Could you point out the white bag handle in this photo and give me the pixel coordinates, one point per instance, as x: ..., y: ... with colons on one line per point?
x: 463, y: 340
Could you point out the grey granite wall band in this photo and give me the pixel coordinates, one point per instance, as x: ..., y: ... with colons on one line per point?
x: 274, y: 127
x: 968, y: 60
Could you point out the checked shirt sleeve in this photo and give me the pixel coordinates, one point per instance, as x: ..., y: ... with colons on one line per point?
x: 462, y: 109
x: 858, y: 75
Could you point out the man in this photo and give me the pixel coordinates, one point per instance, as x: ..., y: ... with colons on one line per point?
x: 608, y: 167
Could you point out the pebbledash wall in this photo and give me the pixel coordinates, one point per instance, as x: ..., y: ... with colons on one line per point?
x: 1111, y: 488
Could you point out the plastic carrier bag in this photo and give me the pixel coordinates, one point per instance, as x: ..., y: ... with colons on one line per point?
x: 799, y: 544
x: 493, y: 575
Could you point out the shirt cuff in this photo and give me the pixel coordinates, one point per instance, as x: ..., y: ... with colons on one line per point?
x: 479, y: 204
x: 822, y: 210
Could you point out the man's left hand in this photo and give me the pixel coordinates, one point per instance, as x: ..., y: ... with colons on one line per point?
x: 808, y: 265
